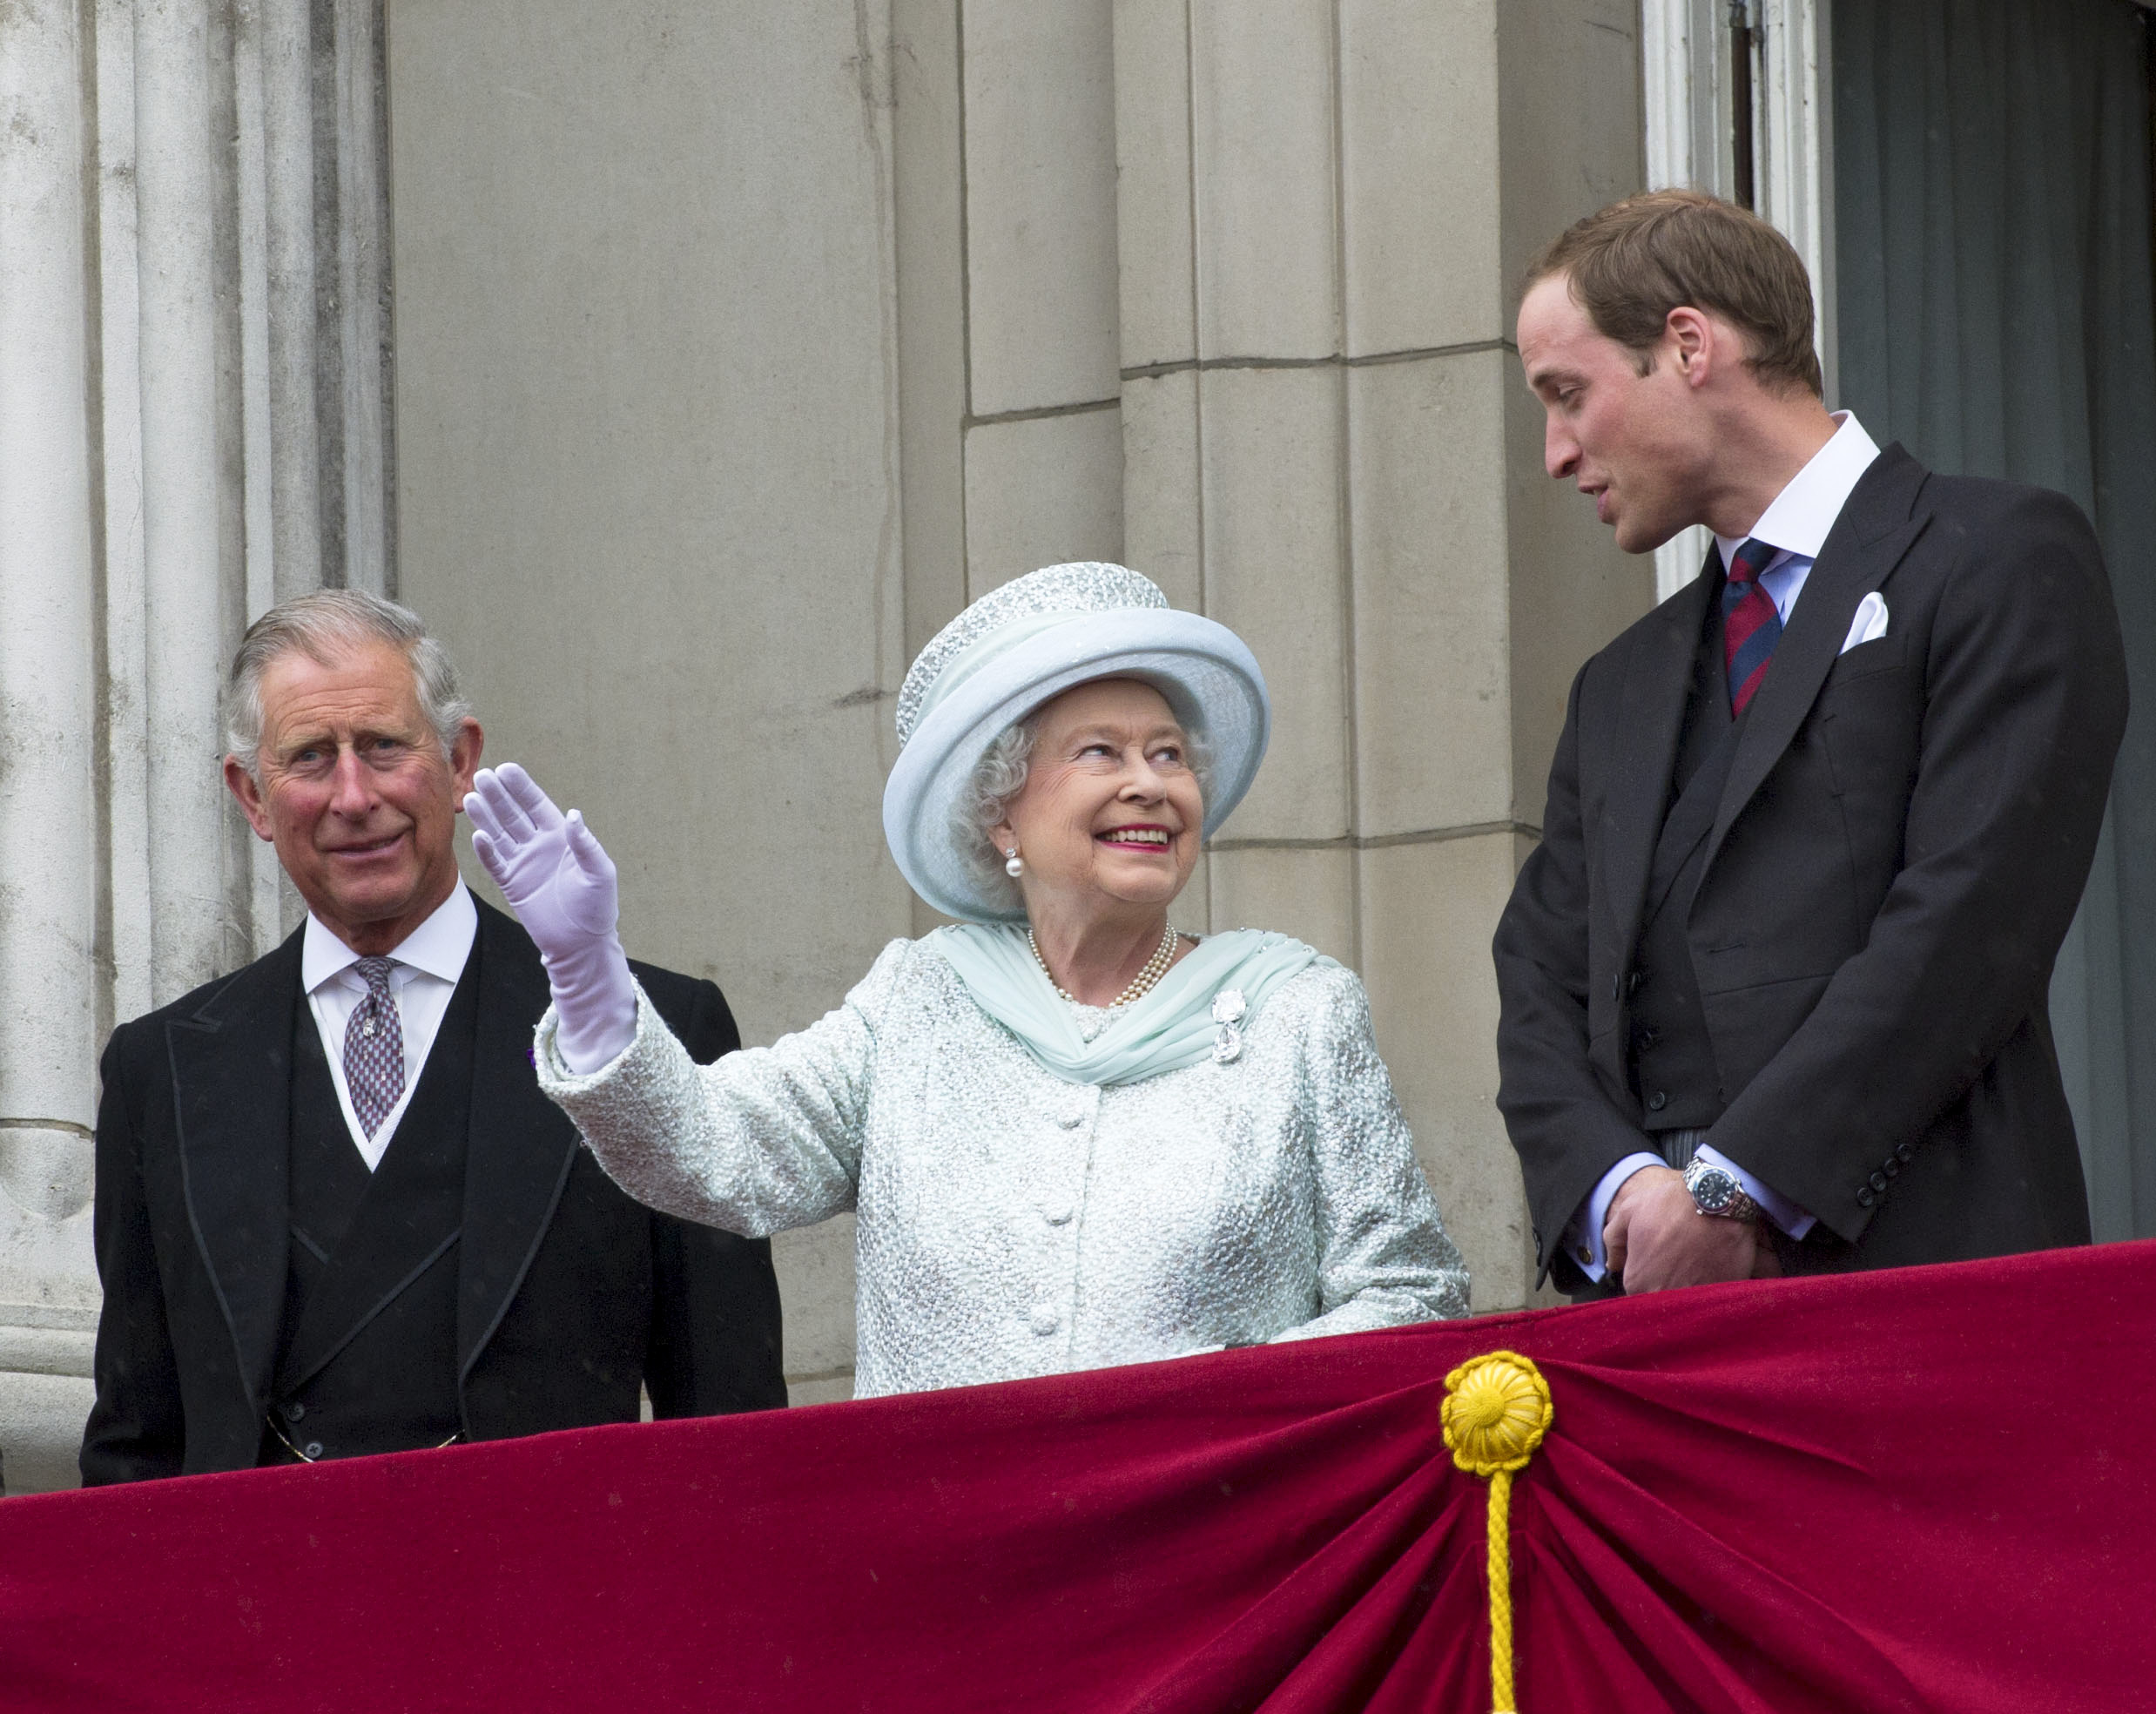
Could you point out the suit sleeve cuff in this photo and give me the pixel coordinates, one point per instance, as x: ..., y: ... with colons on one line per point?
x: 1775, y: 1207
x: 1583, y: 1238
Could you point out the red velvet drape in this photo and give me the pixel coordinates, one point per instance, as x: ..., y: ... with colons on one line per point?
x: 1933, y: 1488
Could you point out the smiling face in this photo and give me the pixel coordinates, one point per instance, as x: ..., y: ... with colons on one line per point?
x: 355, y: 793
x: 1110, y: 817
x: 1641, y: 445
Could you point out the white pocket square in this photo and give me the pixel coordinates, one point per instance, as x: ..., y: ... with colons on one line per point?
x: 1871, y: 623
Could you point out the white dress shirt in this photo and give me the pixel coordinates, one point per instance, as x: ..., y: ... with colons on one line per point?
x: 424, y: 970
x: 1795, y: 524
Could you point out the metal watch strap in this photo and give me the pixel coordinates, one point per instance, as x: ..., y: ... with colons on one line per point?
x: 1742, y: 1205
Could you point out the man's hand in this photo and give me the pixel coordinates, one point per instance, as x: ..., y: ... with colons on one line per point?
x: 1656, y: 1238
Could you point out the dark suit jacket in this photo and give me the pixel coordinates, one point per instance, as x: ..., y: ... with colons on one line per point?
x: 569, y: 1294
x: 1898, y: 850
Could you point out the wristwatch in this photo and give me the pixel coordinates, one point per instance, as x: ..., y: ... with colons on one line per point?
x: 1715, y: 1190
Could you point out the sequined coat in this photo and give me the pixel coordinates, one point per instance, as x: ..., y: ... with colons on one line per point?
x: 1013, y: 1223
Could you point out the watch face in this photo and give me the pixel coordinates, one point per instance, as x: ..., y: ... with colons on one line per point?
x: 1714, y: 1190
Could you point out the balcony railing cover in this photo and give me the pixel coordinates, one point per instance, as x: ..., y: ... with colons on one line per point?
x: 1932, y: 1489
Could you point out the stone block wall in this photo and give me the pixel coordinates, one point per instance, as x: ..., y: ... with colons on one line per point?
x: 711, y: 359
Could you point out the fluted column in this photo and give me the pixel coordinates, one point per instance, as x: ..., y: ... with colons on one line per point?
x: 193, y: 520
x: 182, y: 441
x: 48, y: 809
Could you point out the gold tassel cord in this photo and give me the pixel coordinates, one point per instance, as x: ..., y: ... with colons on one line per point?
x: 1503, y: 1698
x: 1497, y: 1409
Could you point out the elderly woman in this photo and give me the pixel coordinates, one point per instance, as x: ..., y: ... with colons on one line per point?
x: 1075, y: 1137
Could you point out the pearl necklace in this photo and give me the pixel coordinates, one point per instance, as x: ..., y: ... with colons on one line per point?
x: 1141, y: 985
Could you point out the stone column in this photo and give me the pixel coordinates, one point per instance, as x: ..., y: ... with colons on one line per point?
x: 193, y: 521
x: 1324, y: 207
x: 48, y: 810
x: 163, y: 376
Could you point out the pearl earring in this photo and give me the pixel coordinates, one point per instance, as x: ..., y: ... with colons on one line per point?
x: 1015, y: 866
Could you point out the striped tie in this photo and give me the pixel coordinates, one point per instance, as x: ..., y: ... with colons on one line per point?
x: 1750, y: 626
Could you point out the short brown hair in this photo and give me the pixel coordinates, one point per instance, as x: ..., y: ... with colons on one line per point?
x: 1629, y: 265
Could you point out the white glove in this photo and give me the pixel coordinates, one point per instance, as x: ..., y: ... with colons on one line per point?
x: 561, y: 883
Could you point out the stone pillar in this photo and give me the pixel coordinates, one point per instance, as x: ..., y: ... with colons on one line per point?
x: 48, y: 811
x: 193, y: 522
x: 162, y: 381
x: 1324, y: 207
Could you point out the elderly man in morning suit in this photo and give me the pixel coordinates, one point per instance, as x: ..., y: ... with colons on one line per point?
x: 334, y: 1213
x: 1774, y: 984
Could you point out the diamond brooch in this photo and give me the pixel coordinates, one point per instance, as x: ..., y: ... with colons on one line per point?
x: 1229, y: 1007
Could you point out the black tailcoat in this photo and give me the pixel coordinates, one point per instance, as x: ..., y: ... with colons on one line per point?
x: 1893, y: 857
x: 568, y: 1295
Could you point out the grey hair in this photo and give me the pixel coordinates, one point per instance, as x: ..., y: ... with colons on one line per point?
x: 326, y: 625
x: 998, y: 777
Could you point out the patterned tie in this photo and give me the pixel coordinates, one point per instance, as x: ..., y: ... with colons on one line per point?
x: 1750, y: 626
x: 373, y: 1048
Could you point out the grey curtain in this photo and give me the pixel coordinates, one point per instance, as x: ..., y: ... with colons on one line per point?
x: 1993, y: 228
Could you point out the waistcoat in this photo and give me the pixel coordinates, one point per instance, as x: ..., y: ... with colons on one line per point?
x: 367, y: 1348
x: 1671, y: 1056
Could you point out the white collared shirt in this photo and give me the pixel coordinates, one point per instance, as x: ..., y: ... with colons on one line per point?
x: 1802, y: 514
x: 1796, y: 522
x: 424, y: 970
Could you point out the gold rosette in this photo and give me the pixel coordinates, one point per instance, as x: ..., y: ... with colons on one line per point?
x: 1497, y: 1410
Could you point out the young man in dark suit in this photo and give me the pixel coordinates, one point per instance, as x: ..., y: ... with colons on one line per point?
x: 1774, y: 983
x: 335, y: 1215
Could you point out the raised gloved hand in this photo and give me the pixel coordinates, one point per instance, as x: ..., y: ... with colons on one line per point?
x: 561, y: 883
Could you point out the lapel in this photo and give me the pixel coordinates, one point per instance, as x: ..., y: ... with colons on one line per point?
x: 1875, y: 529
x: 231, y: 1104
x: 520, y: 1145
x: 1650, y: 717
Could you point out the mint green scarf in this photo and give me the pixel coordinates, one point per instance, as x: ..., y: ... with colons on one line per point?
x: 1169, y: 1028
